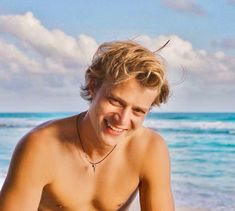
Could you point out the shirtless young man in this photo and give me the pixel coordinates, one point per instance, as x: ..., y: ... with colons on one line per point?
x: 99, y: 159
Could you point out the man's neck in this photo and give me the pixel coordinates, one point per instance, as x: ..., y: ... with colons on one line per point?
x: 93, y: 146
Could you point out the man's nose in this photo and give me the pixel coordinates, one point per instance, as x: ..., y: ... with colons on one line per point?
x: 123, y: 117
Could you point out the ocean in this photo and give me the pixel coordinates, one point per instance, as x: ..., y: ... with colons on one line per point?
x: 201, y: 145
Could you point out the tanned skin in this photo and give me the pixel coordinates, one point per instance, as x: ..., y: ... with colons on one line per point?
x: 50, y: 171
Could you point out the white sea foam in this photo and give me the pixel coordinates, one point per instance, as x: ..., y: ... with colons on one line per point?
x: 206, y: 197
x: 20, y: 122
x: 17, y: 122
x: 175, y: 124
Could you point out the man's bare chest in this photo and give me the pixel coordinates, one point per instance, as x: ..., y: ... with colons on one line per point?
x: 110, y: 187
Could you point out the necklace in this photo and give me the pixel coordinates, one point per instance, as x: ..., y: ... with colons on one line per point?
x: 93, y: 164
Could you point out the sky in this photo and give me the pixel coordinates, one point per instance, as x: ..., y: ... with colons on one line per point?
x: 46, y: 46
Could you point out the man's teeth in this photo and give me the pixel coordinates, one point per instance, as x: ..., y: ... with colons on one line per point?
x: 114, y: 128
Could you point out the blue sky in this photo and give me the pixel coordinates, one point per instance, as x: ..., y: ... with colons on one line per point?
x: 45, y: 47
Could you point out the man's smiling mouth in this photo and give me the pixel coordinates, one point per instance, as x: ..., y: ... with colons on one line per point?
x: 116, y: 129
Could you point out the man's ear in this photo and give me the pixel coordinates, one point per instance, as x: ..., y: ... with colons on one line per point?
x: 92, y: 86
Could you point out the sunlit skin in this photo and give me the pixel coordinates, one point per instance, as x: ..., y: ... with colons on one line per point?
x: 50, y: 171
x: 122, y: 107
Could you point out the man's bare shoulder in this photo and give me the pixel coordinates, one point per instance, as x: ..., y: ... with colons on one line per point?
x: 32, y: 167
x: 151, y: 147
x: 149, y: 140
x: 155, y: 186
x: 36, y: 146
x: 50, y: 133
x: 39, y: 138
x: 40, y: 149
x: 44, y: 141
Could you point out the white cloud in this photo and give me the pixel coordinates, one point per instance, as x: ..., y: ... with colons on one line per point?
x: 31, y: 52
x: 205, y: 71
x: 15, y: 60
x: 189, y: 6
x: 47, y: 65
x: 50, y: 43
x: 178, y: 50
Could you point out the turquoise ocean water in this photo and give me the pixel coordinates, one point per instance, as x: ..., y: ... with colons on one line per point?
x: 202, y: 148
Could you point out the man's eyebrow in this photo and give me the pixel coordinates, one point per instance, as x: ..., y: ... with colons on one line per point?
x: 124, y: 103
x: 141, y: 109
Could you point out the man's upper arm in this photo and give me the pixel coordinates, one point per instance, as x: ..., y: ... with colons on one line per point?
x: 26, y: 176
x: 155, y: 185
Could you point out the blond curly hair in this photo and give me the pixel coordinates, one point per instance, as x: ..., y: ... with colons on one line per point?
x: 117, y: 61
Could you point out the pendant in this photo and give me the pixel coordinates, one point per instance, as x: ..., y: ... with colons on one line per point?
x: 93, y: 166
